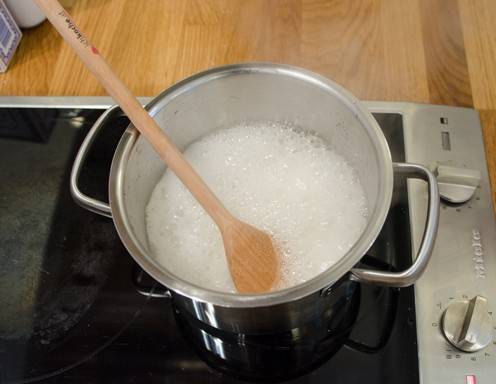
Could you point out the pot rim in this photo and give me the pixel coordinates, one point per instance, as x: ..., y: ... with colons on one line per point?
x: 324, y: 279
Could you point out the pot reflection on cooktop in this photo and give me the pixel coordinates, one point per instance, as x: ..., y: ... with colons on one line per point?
x: 293, y: 353
x: 71, y: 313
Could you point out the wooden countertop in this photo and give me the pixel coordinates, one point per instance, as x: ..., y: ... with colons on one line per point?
x: 435, y: 51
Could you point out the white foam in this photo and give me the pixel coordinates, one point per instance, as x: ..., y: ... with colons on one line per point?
x: 279, y: 179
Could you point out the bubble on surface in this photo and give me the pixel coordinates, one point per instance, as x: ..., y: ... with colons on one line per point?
x: 273, y: 176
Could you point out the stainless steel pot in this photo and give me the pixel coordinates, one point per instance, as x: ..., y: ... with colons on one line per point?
x: 225, y: 96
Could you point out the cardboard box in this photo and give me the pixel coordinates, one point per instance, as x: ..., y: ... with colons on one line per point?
x: 10, y: 36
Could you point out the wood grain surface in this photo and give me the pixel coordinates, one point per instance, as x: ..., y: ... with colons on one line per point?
x: 445, y: 57
x: 478, y: 19
x: 438, y: 51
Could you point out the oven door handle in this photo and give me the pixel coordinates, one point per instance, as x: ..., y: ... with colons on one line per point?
x: 85, y: 201
x: 410, y: 275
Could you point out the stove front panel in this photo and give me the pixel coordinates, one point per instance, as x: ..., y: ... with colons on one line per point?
x: 463, y: 265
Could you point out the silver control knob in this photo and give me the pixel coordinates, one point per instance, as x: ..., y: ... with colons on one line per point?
x: 457, y: 185
x: 467, y: 325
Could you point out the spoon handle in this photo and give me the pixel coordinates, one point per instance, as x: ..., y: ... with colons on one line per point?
x: 166, y: 149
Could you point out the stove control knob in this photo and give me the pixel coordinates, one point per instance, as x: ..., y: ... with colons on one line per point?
x: 457, y: 185
x: 467, y: 325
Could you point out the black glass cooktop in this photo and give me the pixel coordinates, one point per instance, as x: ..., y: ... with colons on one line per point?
x: 70, y: 307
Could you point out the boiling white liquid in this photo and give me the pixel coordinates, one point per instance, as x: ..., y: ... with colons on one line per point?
x: 288, y: 183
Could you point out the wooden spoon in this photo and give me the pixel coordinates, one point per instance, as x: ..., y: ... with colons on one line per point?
x: 253, y: 260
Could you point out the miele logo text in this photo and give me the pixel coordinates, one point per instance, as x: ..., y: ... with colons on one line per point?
x: 480, y: 270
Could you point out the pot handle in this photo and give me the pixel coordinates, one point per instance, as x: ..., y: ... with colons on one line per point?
x: 79, y: 197
x: 410, y: 275
x: 150, y: 289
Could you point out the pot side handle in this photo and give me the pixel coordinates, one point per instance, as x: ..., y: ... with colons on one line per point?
x: 79, y: 197
x: 410, y: 275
